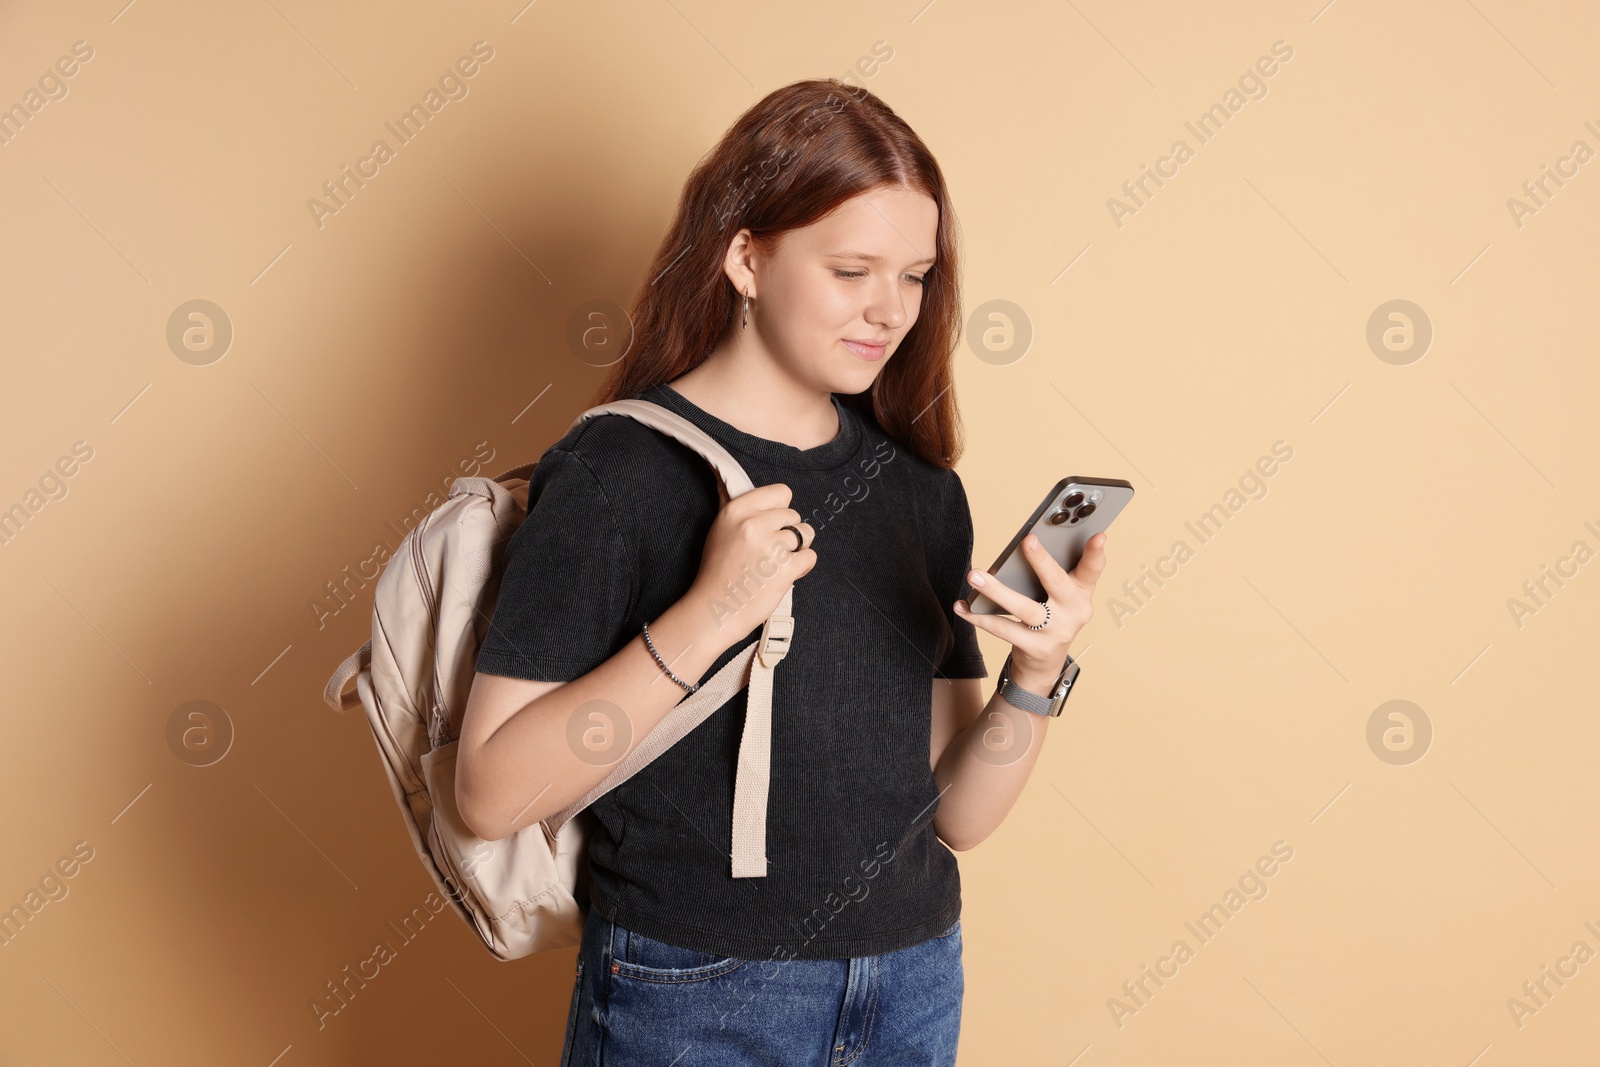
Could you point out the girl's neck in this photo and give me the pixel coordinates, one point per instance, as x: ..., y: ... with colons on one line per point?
x: 751, y: 395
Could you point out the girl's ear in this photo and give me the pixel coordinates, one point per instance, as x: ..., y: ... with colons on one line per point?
x: 738, y: 263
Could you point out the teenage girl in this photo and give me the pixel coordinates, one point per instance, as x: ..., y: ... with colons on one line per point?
x: 803, y: 310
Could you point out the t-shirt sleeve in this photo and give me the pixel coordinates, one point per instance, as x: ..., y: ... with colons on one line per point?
x: 962, y: 659
x: 567, y: 588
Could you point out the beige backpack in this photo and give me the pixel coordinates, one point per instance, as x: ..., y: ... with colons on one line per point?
x: 528, y: 892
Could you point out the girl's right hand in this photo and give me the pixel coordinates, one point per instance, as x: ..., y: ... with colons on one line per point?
x: 750, y: 561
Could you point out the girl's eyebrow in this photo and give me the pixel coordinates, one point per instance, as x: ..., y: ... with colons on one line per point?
x: 870, y: 257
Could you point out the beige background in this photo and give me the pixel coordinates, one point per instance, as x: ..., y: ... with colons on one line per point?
x: 1229, y: 312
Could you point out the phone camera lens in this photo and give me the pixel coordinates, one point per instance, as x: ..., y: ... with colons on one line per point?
x: 1072, y: 499
x: 1083, y: 512
x: 1058, y: 516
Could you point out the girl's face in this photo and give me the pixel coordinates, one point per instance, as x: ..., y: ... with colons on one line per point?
x: 835, y: 299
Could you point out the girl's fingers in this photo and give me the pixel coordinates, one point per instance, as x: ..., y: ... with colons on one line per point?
x: 1028, y: 610
x: 1093, y: 562
x: 1051, y: 575
x: 1008, y: 630
x: 1024, y: 607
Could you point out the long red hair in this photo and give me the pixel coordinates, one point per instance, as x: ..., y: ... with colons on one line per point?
x: 787, y: 162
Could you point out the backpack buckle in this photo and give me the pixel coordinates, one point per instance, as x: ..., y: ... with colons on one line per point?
x: 776, y: 636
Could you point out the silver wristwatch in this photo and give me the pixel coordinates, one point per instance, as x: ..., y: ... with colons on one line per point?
x: 1050, y: 705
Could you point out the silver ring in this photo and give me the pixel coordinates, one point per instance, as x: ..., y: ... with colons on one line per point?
x: 1046, y: 622
x: 799, y: 541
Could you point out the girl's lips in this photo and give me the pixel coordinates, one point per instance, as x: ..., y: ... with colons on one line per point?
x: 866, y: 351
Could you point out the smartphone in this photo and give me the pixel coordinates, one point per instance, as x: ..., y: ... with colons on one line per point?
x: 1071, y: 513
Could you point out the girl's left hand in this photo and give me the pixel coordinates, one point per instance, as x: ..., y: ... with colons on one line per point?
x: 1069, y: 595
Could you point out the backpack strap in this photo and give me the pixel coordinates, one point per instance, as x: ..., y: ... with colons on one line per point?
x: 753, y: 666
x: 731, y: 480
x: 334, y: 693
x: 755, y: 748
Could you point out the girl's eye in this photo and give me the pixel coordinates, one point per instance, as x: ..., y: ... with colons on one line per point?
x: 863, y: 274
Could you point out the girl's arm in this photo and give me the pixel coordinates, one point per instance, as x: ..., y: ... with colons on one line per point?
x: 518, y: 763
x: 991, y: 750
x: 982, y: 770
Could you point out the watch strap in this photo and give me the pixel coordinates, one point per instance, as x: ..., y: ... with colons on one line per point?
x: 1049, y: 705
x: 1020, y: 698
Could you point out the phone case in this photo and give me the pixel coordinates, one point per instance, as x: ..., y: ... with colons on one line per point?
x: 1074, y: 511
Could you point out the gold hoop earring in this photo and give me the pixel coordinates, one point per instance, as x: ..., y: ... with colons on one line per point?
x: 746, y: 308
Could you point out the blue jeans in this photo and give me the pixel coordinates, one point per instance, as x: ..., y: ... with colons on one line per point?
x: 638, y: 1002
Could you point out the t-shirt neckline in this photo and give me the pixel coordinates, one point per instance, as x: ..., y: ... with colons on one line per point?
x: 776, y: 453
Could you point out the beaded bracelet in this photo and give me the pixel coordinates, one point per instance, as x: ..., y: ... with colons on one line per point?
x: 652, y: 646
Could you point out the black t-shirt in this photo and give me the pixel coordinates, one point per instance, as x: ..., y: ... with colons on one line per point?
x: 617, y: 522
